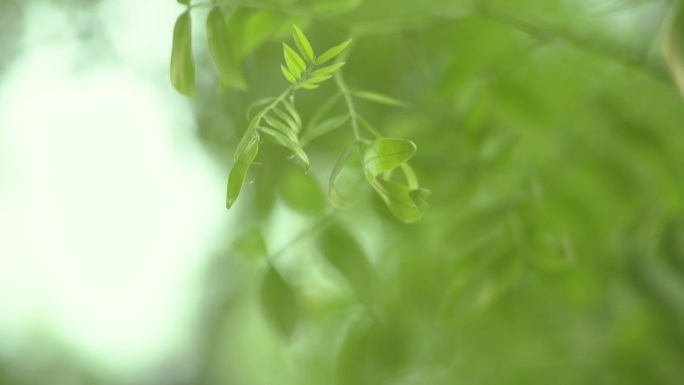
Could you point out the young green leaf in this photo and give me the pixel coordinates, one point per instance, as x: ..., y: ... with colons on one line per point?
x: 281, y: 139
x: 302, y: 43
x: 282, y: 127
x: 279, y: 303
x: 239, y: 170
x: 673, y: 49
x: 385, y: 154
x: 318, y: 79
x: 341, y: 249
x: 182, y: 65
x: 288, y: 119
x: 332, y: 52
x: 323, y: 128
x: 289, y: 106
x: 379, y: 98
x: 184, y: 2
x: 308, y: 86
x: 327, y: 70
x: 294, y: 62
x: 398, y: 200
x: 288, y: 75
x: 221, y: 53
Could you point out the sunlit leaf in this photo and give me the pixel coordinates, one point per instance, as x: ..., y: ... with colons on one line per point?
x: 332, y: 52
x: 239, y: 170
x: 280, y: 303
x: 288, y: 75
x: 182, y: 65
x: 673, y: 49
x: 379, y: 98
x: 341, y: 249
x: 308, y: 86
x: 302, y: 43
x: 398, y: 199
x: 385, y: 154
x: 184, y: 2
x: 294, y: 62
x: 324, y: 127
x: 301, y: 192
x: 318, y: 79
x: 327, y: 70
x: 281, y: 139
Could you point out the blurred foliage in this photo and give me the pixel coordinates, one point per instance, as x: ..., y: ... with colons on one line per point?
x: 550, y: 133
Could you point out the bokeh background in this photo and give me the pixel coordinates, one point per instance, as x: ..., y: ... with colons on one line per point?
x: 550, y: 133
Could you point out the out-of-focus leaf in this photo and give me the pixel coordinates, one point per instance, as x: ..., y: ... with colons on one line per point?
x: 309, y: 86
x: 184, y: 2
x: 385, y: 154
x: 420, y: 197
x: 324, y: 127
x: 398, y: 199
x: 280, y: 303
x: 294, y: 62
x: 219, y: 47
x: 342, y: 251
x: 182, y: 65
x: 259, y: 27
x: 334, y: 195
x: 301, y: 192
x: 251, y: 244
x: 280, y: 139
x: 673, y: 49
x: 379, y: 98
x: 332, y: 52
x: 302, y: 43
x: 318, y: 79
x: 239, y: 170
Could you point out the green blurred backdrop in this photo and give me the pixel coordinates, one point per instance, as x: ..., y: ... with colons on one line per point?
x: 551, y: 134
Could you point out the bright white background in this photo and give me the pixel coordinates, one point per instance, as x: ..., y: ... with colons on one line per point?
x: 108, y: 204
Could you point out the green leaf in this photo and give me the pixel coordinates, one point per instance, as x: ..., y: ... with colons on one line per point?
x: 327, y: 70
x: 290, y: 120
x: 317, y: 79
x: 281, y: 139
x: 226, y: 65
x: 420, y: 197
x: 673, y: 49
x: 282, y: 127
x: 302, y: 43
x: 341, y: 249
x: 379, y: 98
x: 385, y: 154
x: 279, y: 303
x: 301, y: 192
x: 294, y: 62
x: 332, y: 52
x: 288, y: 75
x: 251, y: 245
x: 333, y: 194
x: 323, y: 128
x: 239, y: 170
x: 398, y: 200
x: 184, y: 2
x: 308, y: 86
x: 182, y: 65
x: 293, y: 112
